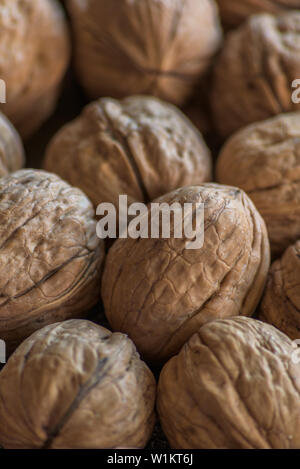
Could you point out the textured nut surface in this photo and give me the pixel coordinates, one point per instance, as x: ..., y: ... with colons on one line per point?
x: 11, y: 148
x: 233, y: 385
x: 264, y: 160
x: 281, y: 301
x: 160, y: 293
x: 139, y: 146
x: 157, y: 47
x: 255, y: 71
x: 34, y: 53
x: 76, y: 385
x: 234, y: 12
x: 50, y: 256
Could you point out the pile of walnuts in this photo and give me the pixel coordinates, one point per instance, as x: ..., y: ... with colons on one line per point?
x: 107, y: 338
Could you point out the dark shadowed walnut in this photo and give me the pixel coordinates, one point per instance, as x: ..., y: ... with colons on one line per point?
x: 156, y: 47
x: 281, y: 301
x: 11, y: 148
x: 264, y: 160
x: 160, y: 293
x: 50, y: 256
x: 234, y: 385
x: 76, y: 385
x: 234, y: 12
x: 34, y: 53
x: 255, y: 71
x: 139, y: 146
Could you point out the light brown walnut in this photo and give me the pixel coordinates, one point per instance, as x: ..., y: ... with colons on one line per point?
x: 264, y: 160
x: 254, y: 74
x: 139, y: 146
x: 12, y: 155
x: 159, y: 292
x: 50, y: 256
x: 234, y: 385
x: 156, y: 47
x: 75, y: 385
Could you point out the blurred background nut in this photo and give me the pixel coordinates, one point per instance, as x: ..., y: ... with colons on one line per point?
x: 264, y: 160
x: 139, y: 146
x: 50, y: 256
x: 11, y: 148
x: 34, y: 53
x: 254, y: 73
x: 76, y: 385
x: 281, y: 301
x: 234, y: 12
x: 157, y: 47
x: 233, y: 386
x: 159, y: 292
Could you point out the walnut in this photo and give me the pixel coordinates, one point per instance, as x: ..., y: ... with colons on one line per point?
x: 234, y: 12
x: 254, y: 73
x: 156, y: 47
x: 11, y: 148
x: 281, y: 301
x: 34, y: 53
x: 264, y: 160
x: 76, y: 385
x: 234, y: 385
x: 139, y: 146
x: 50, y: 256
x: 160, y: 292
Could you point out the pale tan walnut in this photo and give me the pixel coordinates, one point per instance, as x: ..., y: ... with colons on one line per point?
x: 34, y: 54
x: 281, y: 301
x: 156, y: 47
x: 264, y: 160
x: 254, y: 74
x: 76, y: 385
x: 139, y: 146
x: 50, y: 256
x: 234, y: 12
x: 12, y: 155
x: 234, y: 385
x: 159, y: 292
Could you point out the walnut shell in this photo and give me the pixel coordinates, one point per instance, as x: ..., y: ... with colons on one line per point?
x: 234, y: 12
x: 156, y: 47
x: 264, y: 160
x: 254, y: 73
x: 159, y: 292
x: 50, y: 256
x: 34, y: 54
x: 281, y: 301
x: 12, y: 155
x: 234, y: 385
x: 139, y: 146
x: 76, y: 385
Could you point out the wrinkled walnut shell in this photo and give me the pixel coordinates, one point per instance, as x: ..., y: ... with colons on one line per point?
x: 254, y: 73
x: 159, y: 292
x: 156, y: 47
x: 232, y: 386
x: 76, y: 385
x: 50, y: 256
x: 139, y: 146
x: 11, y: 148
x: 34, y: 54
x: 264, y: 160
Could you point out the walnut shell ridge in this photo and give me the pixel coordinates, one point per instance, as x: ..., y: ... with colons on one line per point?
x: 159, y: 292
x: 264, y: 160
x: 139, y: 146
x: 156, y: 47
x: 280, y: 305
x: 234, y: 385
x: 12, y: 155
x: 76, y: 385
x: 50, y: 256
x: 34, y: 54
x: 254, y: 73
